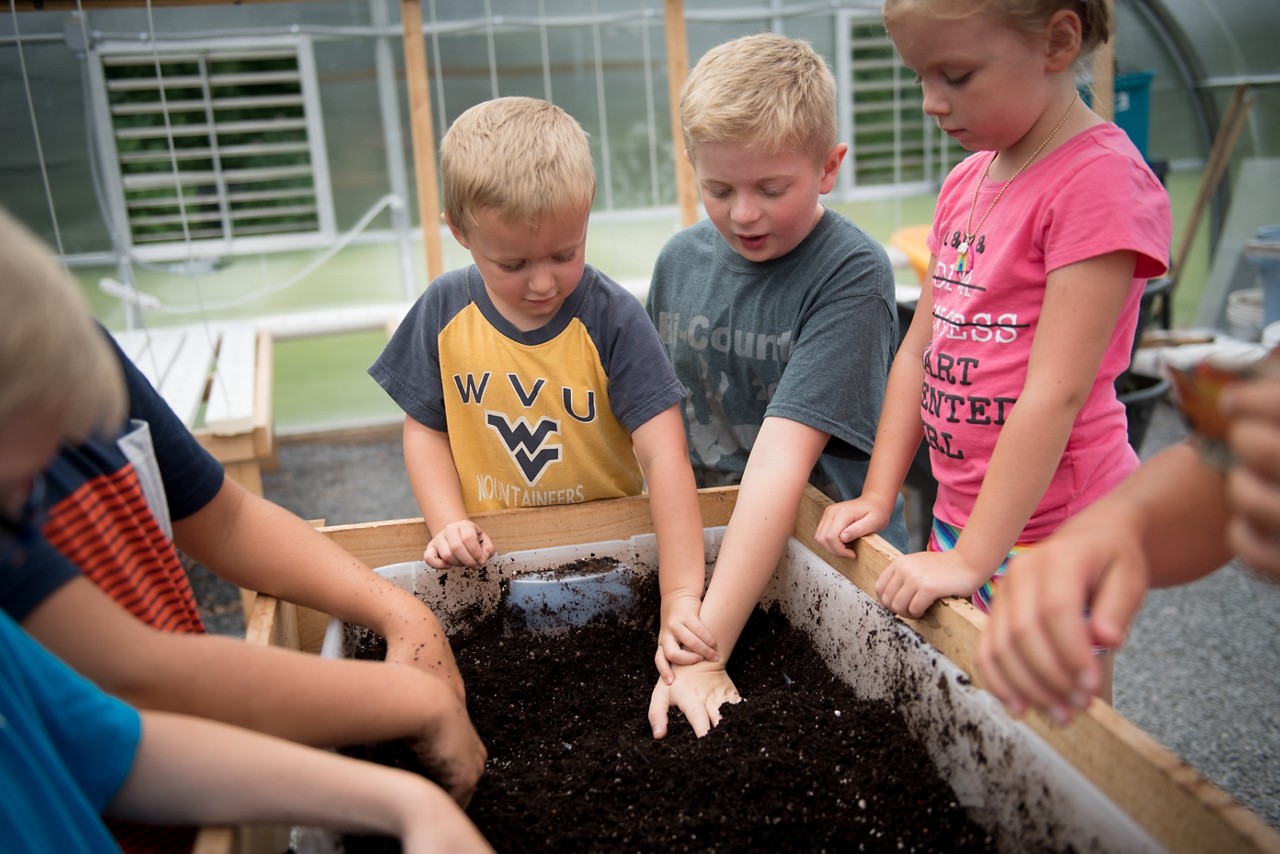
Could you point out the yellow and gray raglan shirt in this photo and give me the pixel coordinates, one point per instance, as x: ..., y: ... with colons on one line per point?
x: 534, y: 418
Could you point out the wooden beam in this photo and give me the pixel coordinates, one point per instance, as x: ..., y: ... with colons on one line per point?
x: 1224, y: 144
x: 424, y: 140
x: 1104, y: 73
x: 677, y: 71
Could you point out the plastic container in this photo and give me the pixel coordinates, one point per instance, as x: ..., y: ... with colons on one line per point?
x: 1026, y: 794
x: 1271, y: 335
x: 1245, y: 317
x: 1200, y: 373
x: 1264, y: 253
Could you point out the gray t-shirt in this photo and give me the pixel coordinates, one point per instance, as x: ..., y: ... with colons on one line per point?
x: 809, y: 337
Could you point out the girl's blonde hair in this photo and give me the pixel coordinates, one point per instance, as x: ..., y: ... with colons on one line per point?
x: 522, y: 157
x: 1096, y: 19
x: 762, y: 91
x: 55, y: 362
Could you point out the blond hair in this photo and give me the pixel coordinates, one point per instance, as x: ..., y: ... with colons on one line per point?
x: 522, y: 157
x: 55, y: 362
x: 763, y: 91
x: 1096, y: 20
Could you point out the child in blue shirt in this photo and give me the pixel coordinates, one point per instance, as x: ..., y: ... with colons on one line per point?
x: 68, y: 751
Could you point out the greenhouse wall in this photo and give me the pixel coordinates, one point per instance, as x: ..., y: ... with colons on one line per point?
x: 603, y: 60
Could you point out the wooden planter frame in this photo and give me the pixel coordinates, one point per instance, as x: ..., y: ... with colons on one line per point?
x: 1180, y: 809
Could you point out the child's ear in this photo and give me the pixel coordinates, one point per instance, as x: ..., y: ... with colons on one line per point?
x: 457, y: 233
x: 1062, y: 46
x: 831, y: 167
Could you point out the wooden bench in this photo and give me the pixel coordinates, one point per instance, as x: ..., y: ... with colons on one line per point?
x: 217, y: 379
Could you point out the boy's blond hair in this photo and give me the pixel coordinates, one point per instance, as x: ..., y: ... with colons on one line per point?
x: 523, y: 157
x: 764, y: 91
x: 55, y: 363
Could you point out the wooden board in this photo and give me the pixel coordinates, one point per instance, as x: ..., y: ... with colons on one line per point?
x: 1169, y: 799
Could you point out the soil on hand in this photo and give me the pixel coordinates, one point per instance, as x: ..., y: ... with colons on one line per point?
x: 801, y: 765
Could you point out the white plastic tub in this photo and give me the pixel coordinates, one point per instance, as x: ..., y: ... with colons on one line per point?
x: 1013, y: 784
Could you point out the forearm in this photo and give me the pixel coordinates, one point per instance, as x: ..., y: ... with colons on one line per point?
x: 899, y: 432
x: 433, y: 476
x: 1023, y: 463
x: 764, y: 518
x: 258, y: 545
x: 267, y: 689
x: 193, y: 771
x: 752, y: 550
x: 1176, y: 506
x: 1081, y: 305
x: 677, y: 520
x: 232, y: 681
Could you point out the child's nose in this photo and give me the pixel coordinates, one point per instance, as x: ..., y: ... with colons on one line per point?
x: 744, y: 209
x: 541, y: 279
x: 933, y: 104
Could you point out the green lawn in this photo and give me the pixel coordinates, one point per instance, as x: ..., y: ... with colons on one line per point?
x: 321, y: 382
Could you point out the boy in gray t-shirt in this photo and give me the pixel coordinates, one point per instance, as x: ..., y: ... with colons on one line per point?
x: 779, y: 315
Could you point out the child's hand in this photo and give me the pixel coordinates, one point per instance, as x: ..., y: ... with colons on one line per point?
x: 1037, y: 649
x: 846, y: 521
x: 460, y: 543
x: 1253, y: 407
x: 913, y: 582
x: 451, y: 750
x: 682, y: 637
x: 698, y: 691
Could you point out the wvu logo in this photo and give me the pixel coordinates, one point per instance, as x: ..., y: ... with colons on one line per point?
x: 527, y: 445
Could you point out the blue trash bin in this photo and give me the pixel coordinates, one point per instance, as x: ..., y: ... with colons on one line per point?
x: 1132, y: 106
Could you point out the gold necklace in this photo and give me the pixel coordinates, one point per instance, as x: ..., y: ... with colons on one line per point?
x: 962, y: 262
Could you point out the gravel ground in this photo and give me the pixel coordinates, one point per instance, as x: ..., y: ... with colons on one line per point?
x: 1201, y: 670
x: 1200, y: 673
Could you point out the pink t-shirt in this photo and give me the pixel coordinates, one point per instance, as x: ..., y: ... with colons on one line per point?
x: 1092, y: 195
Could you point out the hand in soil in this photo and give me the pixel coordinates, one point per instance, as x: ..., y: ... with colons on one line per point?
x: 805, y: 766
x: 698, y: 691
x: 452, y: 751
x: 683, y: 638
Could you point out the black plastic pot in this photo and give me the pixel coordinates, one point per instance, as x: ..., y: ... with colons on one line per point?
x: 1140, y: 393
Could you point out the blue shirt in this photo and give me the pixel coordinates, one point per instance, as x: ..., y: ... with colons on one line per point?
x: 66, y: 748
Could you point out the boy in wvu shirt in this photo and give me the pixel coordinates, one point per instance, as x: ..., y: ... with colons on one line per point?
x: 529, y: 378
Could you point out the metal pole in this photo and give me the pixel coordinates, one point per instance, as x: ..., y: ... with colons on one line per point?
x: 389, y: 102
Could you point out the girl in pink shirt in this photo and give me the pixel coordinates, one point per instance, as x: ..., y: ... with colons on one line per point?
x: 1041, y: 244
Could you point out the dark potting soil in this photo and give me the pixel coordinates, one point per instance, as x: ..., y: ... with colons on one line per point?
x: 801, y: 765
